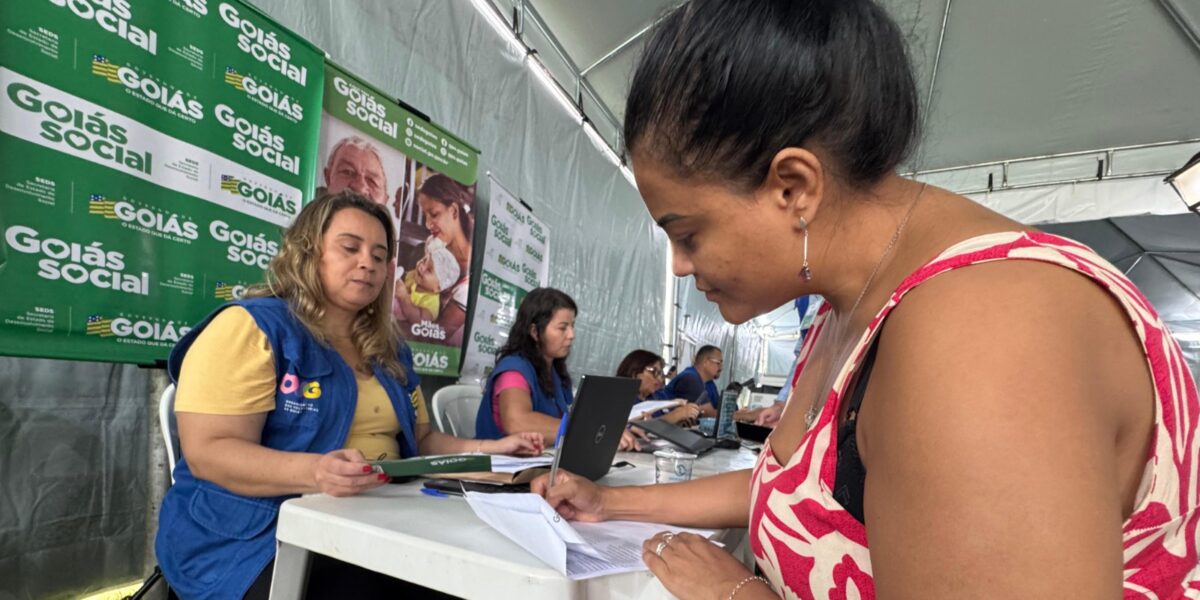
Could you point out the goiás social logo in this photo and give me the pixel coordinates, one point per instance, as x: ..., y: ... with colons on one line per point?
x: 265, y: 95
x: 173, y: 100
x: 145, y: 219
x: 77, y: 263
x: 142, y: 331
x: 260, y: 195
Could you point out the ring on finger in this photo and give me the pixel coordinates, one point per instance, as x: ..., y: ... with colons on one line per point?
x: 659, y: 548
x: 667, y: 538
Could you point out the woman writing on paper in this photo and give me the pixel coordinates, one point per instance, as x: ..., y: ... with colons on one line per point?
x: 530, y: 388
x: 290, y: 391
x: 982, y: 410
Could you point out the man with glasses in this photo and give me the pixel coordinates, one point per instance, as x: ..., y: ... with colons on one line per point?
x: 697, y: 382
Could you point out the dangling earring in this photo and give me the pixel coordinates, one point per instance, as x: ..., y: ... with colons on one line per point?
x: 805, y: 272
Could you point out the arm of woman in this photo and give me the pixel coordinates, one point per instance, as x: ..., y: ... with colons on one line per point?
x: 227, y: 450
x: 408, y: 311
x: 717, y: 502
x: 517, y: 415
x: 989, y: 444
x: 226, y: 388
x: 451, y: 321
x: 436, y: 442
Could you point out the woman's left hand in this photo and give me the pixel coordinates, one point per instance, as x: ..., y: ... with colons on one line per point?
x: 528, y: 443
x: 690, y: 566
x: 629, y: 442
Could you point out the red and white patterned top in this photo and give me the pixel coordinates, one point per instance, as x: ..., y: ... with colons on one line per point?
x: 808, y: 546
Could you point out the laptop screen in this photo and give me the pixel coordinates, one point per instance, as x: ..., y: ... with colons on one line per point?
x: 726, y: 429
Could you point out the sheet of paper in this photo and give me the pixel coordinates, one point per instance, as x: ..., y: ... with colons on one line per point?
x: 577, y: 550
x: 513, y: 464
x: 649, y: 406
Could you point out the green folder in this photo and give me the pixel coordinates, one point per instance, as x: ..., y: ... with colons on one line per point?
x: 422, y: 465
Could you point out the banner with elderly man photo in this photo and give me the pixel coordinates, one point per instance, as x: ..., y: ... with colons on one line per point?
x: 425, y: 177
x: 152, y: 151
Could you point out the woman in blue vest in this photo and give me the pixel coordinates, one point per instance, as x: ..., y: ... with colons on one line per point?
x: 290, y: 391
x: 530, y: 388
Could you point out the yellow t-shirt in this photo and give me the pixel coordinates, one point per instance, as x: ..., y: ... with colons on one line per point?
x: 230, y: 370
x: 430, y: 301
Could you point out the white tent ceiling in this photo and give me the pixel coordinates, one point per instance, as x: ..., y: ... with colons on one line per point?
x: 1013, y: 79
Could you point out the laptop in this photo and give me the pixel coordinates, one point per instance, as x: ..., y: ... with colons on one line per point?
x: 595, y: 424
x: 671, y: 436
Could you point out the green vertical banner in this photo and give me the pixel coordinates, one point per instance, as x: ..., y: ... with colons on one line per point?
x: 152, y: 151
x: 425, y: 177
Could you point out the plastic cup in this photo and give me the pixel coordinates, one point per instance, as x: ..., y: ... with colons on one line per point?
x: 671, y: 466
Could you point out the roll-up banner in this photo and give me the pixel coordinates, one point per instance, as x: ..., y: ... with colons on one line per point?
x: 516, y: 259
x: 425, y: 177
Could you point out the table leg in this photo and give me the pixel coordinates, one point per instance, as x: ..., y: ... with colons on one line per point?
x: 290, y: 576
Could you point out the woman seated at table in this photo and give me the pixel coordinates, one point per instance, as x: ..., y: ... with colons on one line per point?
x: 291, y: 391
x: 647, y: 368
x: 982, y: 410
x: 530, y: 388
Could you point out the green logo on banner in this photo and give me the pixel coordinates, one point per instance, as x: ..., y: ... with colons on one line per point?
x: 262, y: 45
x: 225, y: 291
x: 77, y: 263
x: 113, y: 16
x: 98, y: 325
x: 428, y: 358
x: 145, y: 332
x: 265, y: 95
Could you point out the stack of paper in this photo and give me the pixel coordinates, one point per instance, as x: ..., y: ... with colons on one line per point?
x: 650, y: 406
x: 513, y: 464
x: 577, y: 550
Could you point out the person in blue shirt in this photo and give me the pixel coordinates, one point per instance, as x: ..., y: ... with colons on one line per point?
x: 697, y: 382
x: 282, y: 393
x: 529, y: 390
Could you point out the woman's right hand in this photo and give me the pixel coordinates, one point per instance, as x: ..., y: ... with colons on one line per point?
x: 769, y: 416
x: 684, y: 416
x: 345, y: 473
x: 574, y: 497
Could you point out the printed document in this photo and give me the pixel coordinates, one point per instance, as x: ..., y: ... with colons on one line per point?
x: 577, y: 550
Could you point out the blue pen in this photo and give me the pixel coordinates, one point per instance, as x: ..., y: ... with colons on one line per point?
x: 562, y: 428
x: 434, y: 493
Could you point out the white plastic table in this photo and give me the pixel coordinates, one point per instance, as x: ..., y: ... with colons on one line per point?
x: 440, y: 544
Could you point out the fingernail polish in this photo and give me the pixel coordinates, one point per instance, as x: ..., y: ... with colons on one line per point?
x: 366, y: 468
x: 383, y: 477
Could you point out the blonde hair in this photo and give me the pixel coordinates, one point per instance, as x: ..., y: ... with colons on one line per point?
x: 294, y: 277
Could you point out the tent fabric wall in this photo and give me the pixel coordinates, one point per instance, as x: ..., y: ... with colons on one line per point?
x: 74, y: 474
x: 705, y: 325
x: 445, y: 59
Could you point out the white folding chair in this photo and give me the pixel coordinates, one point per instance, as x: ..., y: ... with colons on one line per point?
x: 454, y: 408
x: 166, y: 420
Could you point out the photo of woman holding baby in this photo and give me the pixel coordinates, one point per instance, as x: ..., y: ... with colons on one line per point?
x: 435, y: 290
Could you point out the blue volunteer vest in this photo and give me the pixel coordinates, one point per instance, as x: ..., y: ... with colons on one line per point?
x: 556, y: 406
x: 213, y: 543
x: 710, y: 388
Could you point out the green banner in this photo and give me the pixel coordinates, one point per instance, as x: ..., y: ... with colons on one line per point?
x: 153, y: 149
x: 425, y: 178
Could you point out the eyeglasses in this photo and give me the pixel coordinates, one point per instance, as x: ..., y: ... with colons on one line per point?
x: 655, y: 372
x: 719, y: 361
